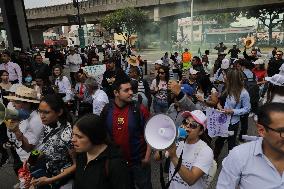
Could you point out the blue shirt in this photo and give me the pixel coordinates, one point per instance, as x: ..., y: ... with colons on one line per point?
x: 248, y: 74
x: 246, y: 166
x: 240, y: 108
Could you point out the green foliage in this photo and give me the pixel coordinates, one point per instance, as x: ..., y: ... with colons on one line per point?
x: 269, y: 17
x: 128, y: 20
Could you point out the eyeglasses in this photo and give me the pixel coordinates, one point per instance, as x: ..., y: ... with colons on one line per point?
x: 280, y: 131
x: 192, y: 125
x: 161, y: 72
x: 278, y: 54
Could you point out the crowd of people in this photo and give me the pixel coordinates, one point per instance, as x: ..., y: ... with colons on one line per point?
x: 74, y: 131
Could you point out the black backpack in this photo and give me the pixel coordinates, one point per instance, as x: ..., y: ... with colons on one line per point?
x: 253, y: 89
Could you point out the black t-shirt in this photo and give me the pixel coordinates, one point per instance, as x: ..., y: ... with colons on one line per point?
x: 107, y: 171
x: 273, y: 67
x: 234, y: 52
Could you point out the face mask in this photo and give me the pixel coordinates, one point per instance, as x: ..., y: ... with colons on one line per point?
x: 28, y: 79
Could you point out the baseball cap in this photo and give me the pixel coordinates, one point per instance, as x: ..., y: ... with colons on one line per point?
x: 225, y: 64
x: 259, y: 61
x: 193, y: 71
x: 187, y: 89
x: 197, y: 115
x: 160, y: 62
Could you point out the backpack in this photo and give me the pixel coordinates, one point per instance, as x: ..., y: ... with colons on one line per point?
x: 186, y: 57
x: 206, y: 179
x: 253, y: 89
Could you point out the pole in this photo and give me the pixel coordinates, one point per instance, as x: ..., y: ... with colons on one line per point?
x: 80, y: 29
x: 78, y: 14
x: 191, y: 28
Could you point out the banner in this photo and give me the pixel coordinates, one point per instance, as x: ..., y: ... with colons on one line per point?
x: 96, y: 72
x: 217, y: 122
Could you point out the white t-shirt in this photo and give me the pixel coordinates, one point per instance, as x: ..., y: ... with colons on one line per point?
x: 100, y: 99
x: 203, y: 161
x: 32, y: 129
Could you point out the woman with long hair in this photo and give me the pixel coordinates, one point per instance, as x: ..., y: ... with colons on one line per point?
x: 98, y: 163
x: 159, y: 89
x: 5, y: 84
x: 56, y: 147
x: 62, y: 83
x: 235, y: 101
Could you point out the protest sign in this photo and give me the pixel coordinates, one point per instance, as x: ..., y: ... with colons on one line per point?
x: 217, y: 122
x: 95, y: 71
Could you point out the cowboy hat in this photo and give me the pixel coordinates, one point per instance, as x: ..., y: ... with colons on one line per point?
x: 249, y: 42
x: 132, y: 60
x: 24, y: 94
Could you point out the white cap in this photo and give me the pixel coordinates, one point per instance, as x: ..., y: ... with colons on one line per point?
x: 193, y: 71
x: 160, y: 62
x: 225, y: 64
x: 259, y: 61
x: 197, y: 115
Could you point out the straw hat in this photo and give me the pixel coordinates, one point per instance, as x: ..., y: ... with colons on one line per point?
x: 249, y: 42
x: 24, y: 94
x: 132, y: 60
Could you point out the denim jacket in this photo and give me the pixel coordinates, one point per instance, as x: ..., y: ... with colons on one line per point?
x: 240, y: 108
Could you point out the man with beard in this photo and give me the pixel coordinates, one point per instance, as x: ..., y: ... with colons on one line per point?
x: 258, y: 164
x: 275, y: 64
x: 125, y: 121
x: 109, y: 76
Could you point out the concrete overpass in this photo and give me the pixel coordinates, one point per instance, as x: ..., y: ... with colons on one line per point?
x: 40, y: 19
x: 94, y: 10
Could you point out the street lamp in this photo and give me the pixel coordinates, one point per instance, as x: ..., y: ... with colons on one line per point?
x: 80, y: 29
x: 191, y: 28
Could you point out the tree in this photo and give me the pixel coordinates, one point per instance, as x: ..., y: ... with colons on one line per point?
x: 269, y: 17
x: 128, y: 20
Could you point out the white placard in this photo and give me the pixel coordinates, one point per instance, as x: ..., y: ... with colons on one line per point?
x: 217, y: 122
x: 96, y: 72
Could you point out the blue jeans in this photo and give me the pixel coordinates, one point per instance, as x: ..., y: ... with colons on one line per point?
x: 160, y: 106
x: 140, y: 176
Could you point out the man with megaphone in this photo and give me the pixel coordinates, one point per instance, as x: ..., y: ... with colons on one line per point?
x: 24, y: 124
x: 197, y: 156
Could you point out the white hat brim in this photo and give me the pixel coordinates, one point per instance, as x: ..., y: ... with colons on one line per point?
x: 21, y: 99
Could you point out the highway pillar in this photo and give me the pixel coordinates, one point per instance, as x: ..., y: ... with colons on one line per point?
x: 14, y: 17
x: 168, y: 33
x: 37, y: 36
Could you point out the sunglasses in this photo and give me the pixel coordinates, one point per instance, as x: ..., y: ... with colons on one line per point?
x: 192, y: 125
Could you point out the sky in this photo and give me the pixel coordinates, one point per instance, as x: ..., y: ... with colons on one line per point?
x: 42, y: 3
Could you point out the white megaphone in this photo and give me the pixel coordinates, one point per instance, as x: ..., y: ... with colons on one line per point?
x: 161, y: 132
